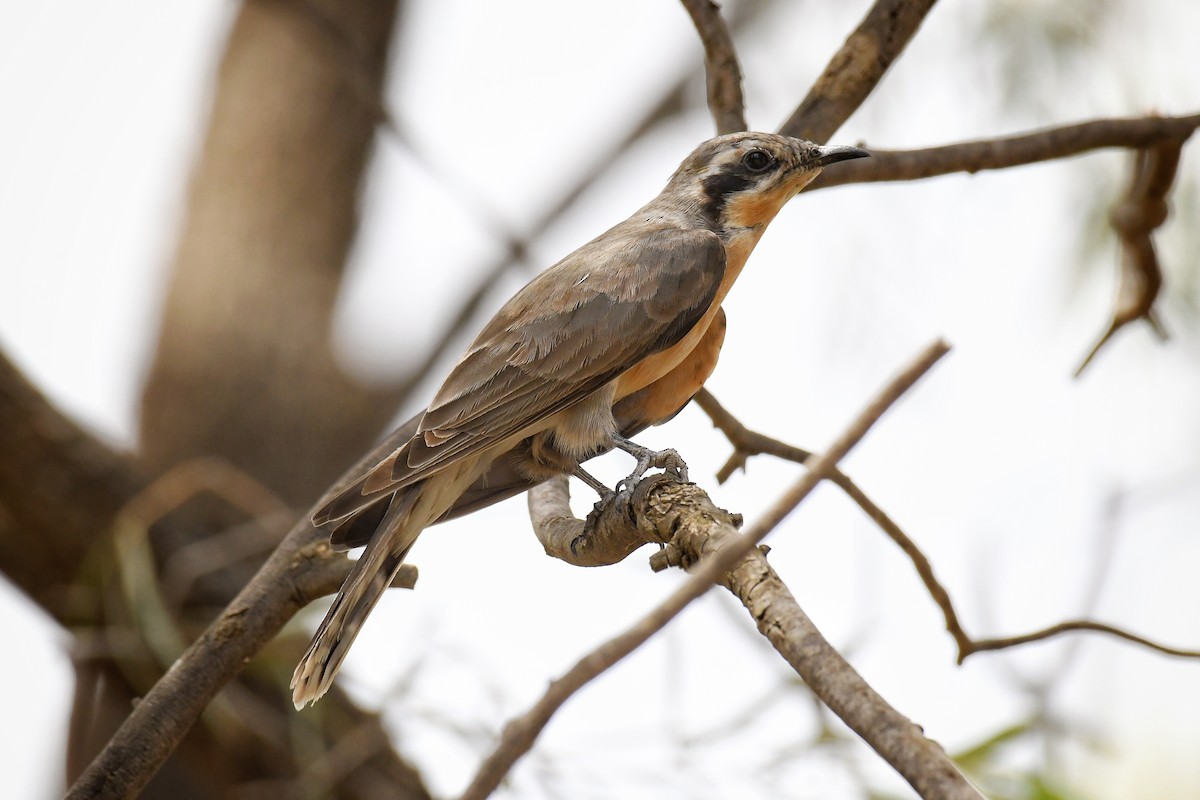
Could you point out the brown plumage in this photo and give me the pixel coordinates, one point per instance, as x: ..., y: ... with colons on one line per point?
x: 617, y: 336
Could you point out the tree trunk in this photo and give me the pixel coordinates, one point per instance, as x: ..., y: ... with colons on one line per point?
x: 244, y: 372
x: 244, y: 368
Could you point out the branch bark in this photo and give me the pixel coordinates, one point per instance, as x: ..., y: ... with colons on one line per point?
x: 1003, y: 152
x: 723, y: 74
x: 300, y: 570
x: 856, y: 68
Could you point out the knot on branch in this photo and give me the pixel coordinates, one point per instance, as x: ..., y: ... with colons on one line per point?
x: 677, y: 516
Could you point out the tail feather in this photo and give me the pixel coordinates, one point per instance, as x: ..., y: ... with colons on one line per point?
x: 368, y: 580
x: 409, y: 511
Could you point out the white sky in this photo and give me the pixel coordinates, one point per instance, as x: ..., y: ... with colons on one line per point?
x: 998, y: 464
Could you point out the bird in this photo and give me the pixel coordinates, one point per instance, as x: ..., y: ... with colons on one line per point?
x: 617, y: 336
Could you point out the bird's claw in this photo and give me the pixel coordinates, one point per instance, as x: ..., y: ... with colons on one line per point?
x: 669, y: 461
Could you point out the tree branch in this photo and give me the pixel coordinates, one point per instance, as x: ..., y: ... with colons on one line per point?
x: 1047, y: 144
x: 300, y: 570
x: 1069, y: 626
x: 1142, y: 212
x: 856, y: 68
x: 722, y: 72
x: 750, y: 443
x: 705, y: 536
x: 45, y: 458
x: 606, y: 537
x: 745, y: 442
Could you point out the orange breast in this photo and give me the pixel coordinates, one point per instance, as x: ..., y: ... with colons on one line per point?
x: 663, y: 399
x: 658, y: 365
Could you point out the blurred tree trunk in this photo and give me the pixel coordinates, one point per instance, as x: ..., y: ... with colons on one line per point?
x: 244, y: 368
x: 244, y: 371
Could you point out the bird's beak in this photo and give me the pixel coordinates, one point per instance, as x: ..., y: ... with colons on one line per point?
x: 835, y: 153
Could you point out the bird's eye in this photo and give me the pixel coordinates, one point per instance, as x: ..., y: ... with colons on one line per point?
x: 757, y: 160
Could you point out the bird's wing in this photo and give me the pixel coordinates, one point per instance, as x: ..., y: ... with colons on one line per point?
x: 570, y: 331
x: 505, y: 477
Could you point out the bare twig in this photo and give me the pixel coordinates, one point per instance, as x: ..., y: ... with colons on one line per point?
x: 983, y: 645
x: 683, y: 513
x: 900, y: 384
x: 745, y: 442
x: 1142, y: 212
x: 722, y: 71
x: 856, y: 68
x: 1047, y: 144
x: 300, y: 570
x: 748, y: 443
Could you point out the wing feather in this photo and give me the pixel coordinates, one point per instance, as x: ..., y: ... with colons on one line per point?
x: 570, y: 331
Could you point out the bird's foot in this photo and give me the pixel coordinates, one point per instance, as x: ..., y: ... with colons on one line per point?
x: 669, y: 461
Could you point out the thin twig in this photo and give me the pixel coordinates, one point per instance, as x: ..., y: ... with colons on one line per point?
x: 882, y: 402
x: 856, y: 68
x: 1143, y: 211
x: 750, y: 443
x: 745, y: 442
x: 519, y: 735
x: 1047, y: 144
x: 984, y: 645
x: 723, y: 74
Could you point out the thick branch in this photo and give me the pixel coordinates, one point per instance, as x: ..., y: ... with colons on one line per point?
x: 922, y: 762
x: 606, y: 539
x: 272, y: 214
x: 60, y: 488
x: 856, y: 68
x: 699, y: 532
x: 300, y: 570
x: 723, y: 74
x: 1010, y: 151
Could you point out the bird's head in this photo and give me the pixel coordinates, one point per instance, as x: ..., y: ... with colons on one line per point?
x: 741, y: 180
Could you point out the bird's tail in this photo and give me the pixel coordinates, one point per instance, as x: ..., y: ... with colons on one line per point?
x: 410, y: 511
x: 371, y: 575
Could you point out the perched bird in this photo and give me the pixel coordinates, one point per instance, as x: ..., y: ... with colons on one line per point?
x: 617, y: 336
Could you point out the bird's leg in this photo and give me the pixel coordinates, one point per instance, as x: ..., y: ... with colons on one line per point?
x: 667, y: 460
x: 592, y: 481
